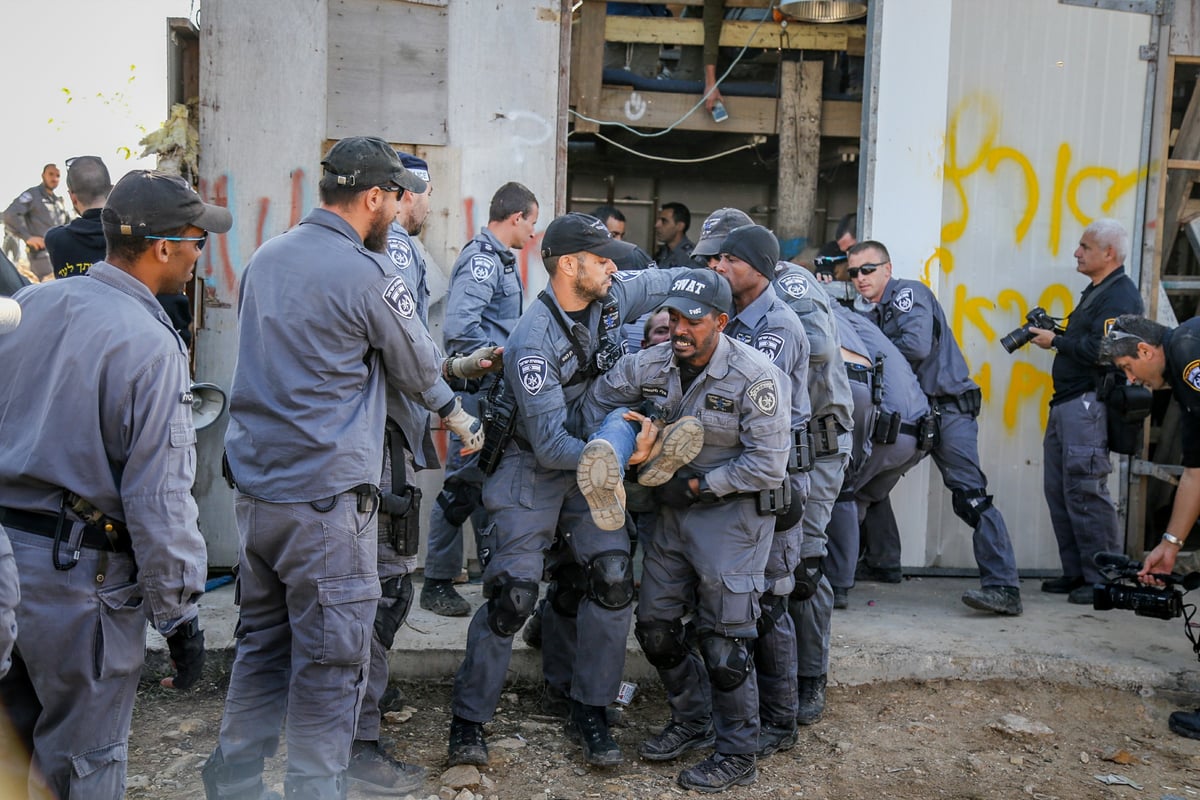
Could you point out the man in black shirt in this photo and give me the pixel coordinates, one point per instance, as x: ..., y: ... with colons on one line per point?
x: 1156, y: 357
x: 1076, y: 461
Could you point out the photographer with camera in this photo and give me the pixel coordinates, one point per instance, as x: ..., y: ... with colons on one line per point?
x: 1076, y: 446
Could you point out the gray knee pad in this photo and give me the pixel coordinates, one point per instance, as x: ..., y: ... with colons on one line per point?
x: 610, y: 579
x: 728, y: 661
x: 969, y: 505
x: 394, y: 603
x: 662, y: 642
x: 568, y: 586
x: 773, y: 607
x: 509, y: 604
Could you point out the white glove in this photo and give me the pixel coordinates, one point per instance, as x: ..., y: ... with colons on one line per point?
x: 476, y: 364
x: 467, y: 427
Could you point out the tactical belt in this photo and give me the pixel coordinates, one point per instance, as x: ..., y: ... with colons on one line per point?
x: 911, y: 428
x: 94, y: 537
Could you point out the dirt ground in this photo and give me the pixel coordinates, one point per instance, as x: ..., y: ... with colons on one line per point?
x: 903, y: 740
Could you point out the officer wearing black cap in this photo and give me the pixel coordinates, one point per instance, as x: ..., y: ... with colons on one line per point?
x: 566, y: 339
x: 709, y: 553
x: 316, y: 360
x: 96, y: 487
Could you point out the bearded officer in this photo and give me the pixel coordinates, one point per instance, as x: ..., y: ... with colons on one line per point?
x: 316, y: 360
x: 908, y: 313
x: 709, y: 552
x: 561, y: 344
x: 96, y: 487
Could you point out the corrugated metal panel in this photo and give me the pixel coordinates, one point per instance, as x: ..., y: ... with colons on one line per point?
x: 1043, y: 132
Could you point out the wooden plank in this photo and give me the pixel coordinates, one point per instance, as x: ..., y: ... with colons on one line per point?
x: 1182, y: 163
x: 561, y: 122
x: 734, y: 33
x: 842, y: 118
x: 799, y: 153
x: 588, y: 75
x: 1179, y: 184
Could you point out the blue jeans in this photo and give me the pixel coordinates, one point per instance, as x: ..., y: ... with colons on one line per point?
x: 620, y: 433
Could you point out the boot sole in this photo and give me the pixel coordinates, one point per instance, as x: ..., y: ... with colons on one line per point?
x: 744, y: 780
x: 682, y: 442
x: 980, y: 605
x: 378, y: 788
x: 691, y: 744
x: 474, y: 756
x: 599, y: 479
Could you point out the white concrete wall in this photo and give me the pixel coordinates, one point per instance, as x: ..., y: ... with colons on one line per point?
x: 1026, y: 127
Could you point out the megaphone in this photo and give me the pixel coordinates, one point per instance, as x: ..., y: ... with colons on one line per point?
x: 208, y: 401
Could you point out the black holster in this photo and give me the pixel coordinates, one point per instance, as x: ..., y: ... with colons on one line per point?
x: 499, y: 413
x: 823, y: 432
x: 775, y: 502
x: 929, y: 431
x: 402, y: 503
x: 887, y: 428
x: 800, y: 456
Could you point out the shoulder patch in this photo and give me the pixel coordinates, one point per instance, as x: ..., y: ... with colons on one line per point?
x: 400, y: 252
x: 627, y: 275
x: 25, y: 197
x: 765, y: 396
x: 769, y: 344
x: 482, y: 267
x: 1191, y: 375
x: 532, y: 371
x: 399, y: 298
x: 794, y: 286
x: 903, y: 300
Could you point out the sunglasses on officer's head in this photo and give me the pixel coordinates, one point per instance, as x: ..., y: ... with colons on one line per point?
x: 1116, y: 334
x: 865, y: 269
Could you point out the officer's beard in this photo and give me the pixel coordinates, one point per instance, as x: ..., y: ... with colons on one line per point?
x: 376, y: 238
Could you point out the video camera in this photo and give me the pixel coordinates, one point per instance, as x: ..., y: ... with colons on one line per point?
x: 1121, y: 588
x: 825, y: 265
x: 1037, y: 318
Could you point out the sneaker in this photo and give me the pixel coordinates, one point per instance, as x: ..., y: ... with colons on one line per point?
x: 865, y: 572
x: 719, y: 771
x: 841, y: 597
x: 677, y: 444
x: 775, y: 738
x: 600, y: 480
x: 676, y: 739
x: 812, y: 700
x: 1064, y: 585
x: 371, y: 767
x: 467, y: 745
x: 1082, y: 596
x: 1003, y: 600
x: 590, y: 725
x: 1185, y: 723
x: 440, y: 597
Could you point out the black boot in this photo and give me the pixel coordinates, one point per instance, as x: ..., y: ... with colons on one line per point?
x: 590, y: 725
x: 676, y: 738
x: 233, y: 781
x: 326, y: 787
x: 720, y: 771
x: 371, y: 766
x: 467, y: 745
x: 440, y: 597
x: 812, y: 700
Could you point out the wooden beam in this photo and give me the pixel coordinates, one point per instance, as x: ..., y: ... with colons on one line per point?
x: 562, y: 120
x: 734, y: 33
x: 588, y: 74
x: 841, y: 118
x: 1179, y: 183
x: 799, y: 153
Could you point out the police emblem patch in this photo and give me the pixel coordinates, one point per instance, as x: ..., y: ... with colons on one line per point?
x: 769, y: 344
x: 399, y: 298
x: 765, y: 396
x: 714, y: 402
x: 627, y: 274
x: 794, y: 285
x: 1191, y: 375
x: 532, y: 371
x: 482, y: 268
x: 400, y: 252
x: 904, y: 300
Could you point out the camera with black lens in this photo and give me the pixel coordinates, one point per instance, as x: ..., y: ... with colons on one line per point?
x: 825, y: 265
x: 1037, y: 318
x: 1122, y: 589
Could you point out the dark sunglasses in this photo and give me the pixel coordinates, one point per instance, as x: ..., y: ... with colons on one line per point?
x: 199, y: 240
x: 1116, y: 335
x: 865, y: 269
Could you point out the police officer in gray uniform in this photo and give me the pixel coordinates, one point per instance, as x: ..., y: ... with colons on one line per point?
x: 748, y: 254
x: 33, y: 212
x: 410, y: 221
x: 307, y: 407
x: 899, y: 442
x: 96, y: 486
x: 568, y: 337
x: 831, y: 429
x: 483, y: 304
x: 10, y: 589
x: 908, y: 313
x: 710, y: 550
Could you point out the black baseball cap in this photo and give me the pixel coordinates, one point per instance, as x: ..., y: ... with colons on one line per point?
x: 580, y: 233
x: 365, y: 162
x: 755, y: 245
x: 150, y: 203
x: 699, y: 293
x: 414, y: 164
x: 716, y: 227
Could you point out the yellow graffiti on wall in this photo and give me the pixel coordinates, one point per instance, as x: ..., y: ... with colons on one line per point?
x: 1026, y: 376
